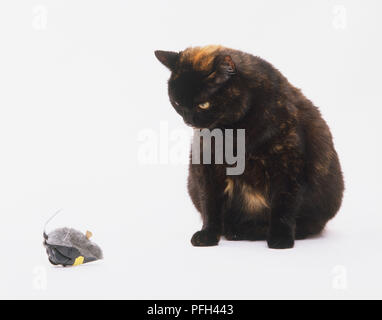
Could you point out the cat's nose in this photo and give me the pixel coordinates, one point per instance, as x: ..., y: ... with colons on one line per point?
x: 194, y: 118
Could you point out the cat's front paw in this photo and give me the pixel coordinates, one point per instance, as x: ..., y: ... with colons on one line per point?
x: 205, y: 238
x: 281, y: 242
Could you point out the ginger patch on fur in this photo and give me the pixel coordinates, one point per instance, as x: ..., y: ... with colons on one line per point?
x: 201, y: 58
x: 252, y: 199
x: 229, y: 187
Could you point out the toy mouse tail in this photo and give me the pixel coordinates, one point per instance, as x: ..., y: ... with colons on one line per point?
x: 46, y: 223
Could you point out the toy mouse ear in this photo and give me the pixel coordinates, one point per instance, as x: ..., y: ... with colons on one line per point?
x: 167, y: 58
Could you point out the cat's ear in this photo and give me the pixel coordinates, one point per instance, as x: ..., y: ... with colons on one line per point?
x: 224, y: 69
x: 168, y: 58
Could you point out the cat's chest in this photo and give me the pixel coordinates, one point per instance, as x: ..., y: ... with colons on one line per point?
x: 250, y: 191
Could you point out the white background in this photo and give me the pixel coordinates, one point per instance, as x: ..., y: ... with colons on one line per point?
x: 79, y: 83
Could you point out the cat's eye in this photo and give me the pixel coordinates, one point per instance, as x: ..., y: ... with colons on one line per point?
x: 204, y: 105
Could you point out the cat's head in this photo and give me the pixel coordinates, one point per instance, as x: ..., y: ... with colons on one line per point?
x: 204, y: 87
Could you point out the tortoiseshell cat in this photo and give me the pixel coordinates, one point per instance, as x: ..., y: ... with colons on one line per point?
x: 292, y: 183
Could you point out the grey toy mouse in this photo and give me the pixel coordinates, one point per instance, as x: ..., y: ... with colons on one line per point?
x: 70, y: 247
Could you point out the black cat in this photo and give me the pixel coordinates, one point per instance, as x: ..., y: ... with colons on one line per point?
x: 292, y: 183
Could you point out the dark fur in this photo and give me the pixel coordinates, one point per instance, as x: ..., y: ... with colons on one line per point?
x: 292, y: 183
